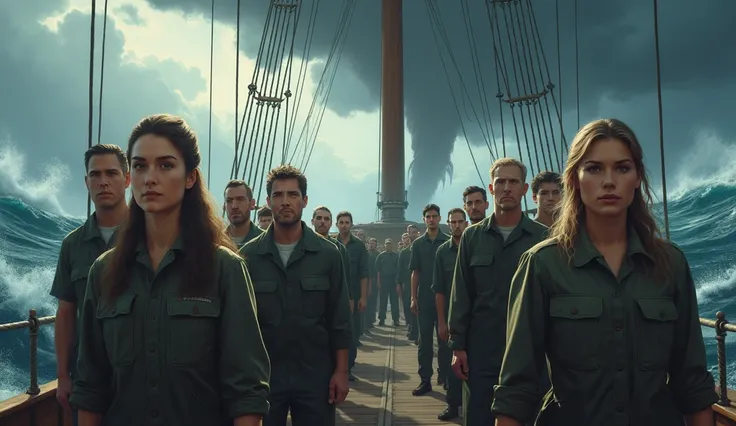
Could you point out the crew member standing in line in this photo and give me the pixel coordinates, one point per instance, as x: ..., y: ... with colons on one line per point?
x: 238, y: 205
x: 546, y: 192
x: 169, y: 333
x: 358, y: 277
x: 421, y: 263
x: 404, y: 284
x: 488, y: 254
x: 265, y: 217
x: 475, y: 202
x: 371, y: 310
x: 322, y: 222
x: 106, y: 179
x: 303, y: 308
x: 387, y: 270
x: 608, y: 302
x: 444, y: 268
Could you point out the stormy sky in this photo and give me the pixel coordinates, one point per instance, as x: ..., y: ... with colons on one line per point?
x: 157, y: 60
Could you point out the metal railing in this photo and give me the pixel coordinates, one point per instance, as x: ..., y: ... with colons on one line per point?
x: 720, y: 324
x: 33, y: 323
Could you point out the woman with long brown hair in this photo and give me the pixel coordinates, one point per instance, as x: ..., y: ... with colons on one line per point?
x: 608, y: 302
x: 169, y: 333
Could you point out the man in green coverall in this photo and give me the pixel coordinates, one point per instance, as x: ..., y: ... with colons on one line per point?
x: 303, y: 308
x: 387, y: 271
x: 358, y: 277
x: 488, y: 255
x: 369, y: 317
x: 444, y: 269
x: 322, y: 222
x: 404, y: 281
x: 421, y: 263
x: 106, y: 179
x: 238, y: 204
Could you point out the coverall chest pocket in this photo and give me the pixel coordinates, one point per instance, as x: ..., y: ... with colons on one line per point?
x: 79, y: 283
x: 481, y: 265
x: 655, y: 332
x: 575, y: 330
x: 118, y: 329
x: 193, y: 330
x: 314, y: 296
x: 268, y: 301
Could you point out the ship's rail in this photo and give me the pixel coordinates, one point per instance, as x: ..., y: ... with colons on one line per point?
x: 721, y: 326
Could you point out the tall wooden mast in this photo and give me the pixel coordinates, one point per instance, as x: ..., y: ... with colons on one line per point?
x: 392, y: 201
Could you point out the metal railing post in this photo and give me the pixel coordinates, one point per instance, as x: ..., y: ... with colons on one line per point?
x: 721, y: 348
x: 33, y: 389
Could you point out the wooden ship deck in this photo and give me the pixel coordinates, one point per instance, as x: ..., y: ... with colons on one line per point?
x: 386, y: 371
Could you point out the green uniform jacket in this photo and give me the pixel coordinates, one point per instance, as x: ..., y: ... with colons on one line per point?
x: 151, y: 357
x: 624, y: 350
x: 345, y: 263
x: 444, y: 268
x: 421, y: 260
x: 480, y: 291
x: 372, y: 271
x: 78, y: 252
x: 359, y: 268
x: 404, y: 275
x: 387, y: 264
x: 303, y: 307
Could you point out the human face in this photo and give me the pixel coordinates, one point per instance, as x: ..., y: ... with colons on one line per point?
x: 286, y: 202
x: 264, y: 221
x: 158, y: 174
x: 238, y: 205
x: 106, y: 181
x: 457, y: 224
x: 322, y: 222
x: 431, y: 219
x: 406, y: 240
x: 360, y: 234
x: 507, y: 188
x: 344, y: 224
x: 475, y: 206
x: 413, y: 232
x: 372, y: 244
x: 607, y: 178
x: 547, y: 197
x: 389, y: 245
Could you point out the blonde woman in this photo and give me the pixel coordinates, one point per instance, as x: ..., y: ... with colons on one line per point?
x: 609, y: 303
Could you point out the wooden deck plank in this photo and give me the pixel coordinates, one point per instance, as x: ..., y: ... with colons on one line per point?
x: 407, y: 409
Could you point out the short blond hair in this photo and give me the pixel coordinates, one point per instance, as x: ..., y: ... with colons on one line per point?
x: 508, y: 161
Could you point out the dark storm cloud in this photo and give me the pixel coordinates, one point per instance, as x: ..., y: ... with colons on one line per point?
x: 45, y: 88
x: 616, y: 61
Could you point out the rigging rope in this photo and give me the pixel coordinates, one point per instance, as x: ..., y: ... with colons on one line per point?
x: 435, y: 30
x: 661, y: 126
x: 212, y: 57
x: 91, y: 86
x: 237, y: 69
x: 577, y: 66
x: 527, y: 84
x: 559, y: 65
x: 338, y: 45
x: 102, y: 75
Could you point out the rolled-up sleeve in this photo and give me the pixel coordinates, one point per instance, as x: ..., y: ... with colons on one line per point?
x: 363, y: 268
x: 460, y: 296
x: 518, y: 393
x: 245, y: 368
x: 692, y: 385
x: 338, y: 313
x: 92, y: 384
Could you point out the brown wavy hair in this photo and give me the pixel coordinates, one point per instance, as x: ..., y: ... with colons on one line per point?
x: 202, y: 231
x: 571, y: 212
